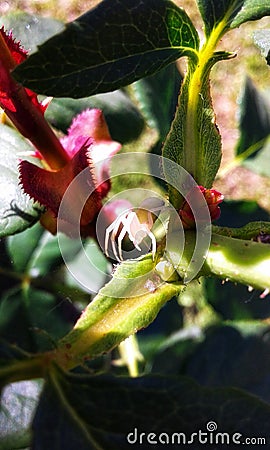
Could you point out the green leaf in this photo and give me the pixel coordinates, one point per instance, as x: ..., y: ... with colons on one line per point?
x: 129, y: 302
x: 239, y: 260
x: 251, y: 10
x: 22, y: 246
x: 18, y: 404
x: 194, y: 141
x: 110, y: 46
x: 89, y: 269
x: 107, y: 412
x: 235, y: 345
x: 253, y: 148
x: 34, y: 319
x: 36, y: 252
x: 31, y: 30
x: 260, y: 163
x: 231, y: 13
x: 157, y: 96
x: 124, y: 120
x: 214, y: 12
x: 17, y: 210
x: 254, y: 120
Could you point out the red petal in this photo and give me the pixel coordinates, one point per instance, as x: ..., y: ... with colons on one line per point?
x: 48, y: 188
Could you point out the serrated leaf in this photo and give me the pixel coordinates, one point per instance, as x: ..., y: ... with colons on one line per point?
x: 157, y: 96
x: 251, y: 10
x: 107, y: 412
x: 231, y: 13
x: 123, y: 118
x: 18, y: 404
x: 194, y: 142
x: 110, y: 46
x: 254, y: 120
x: 31, y: 30
x: 17, y: 210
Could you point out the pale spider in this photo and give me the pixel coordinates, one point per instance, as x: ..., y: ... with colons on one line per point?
x: 136, y: 225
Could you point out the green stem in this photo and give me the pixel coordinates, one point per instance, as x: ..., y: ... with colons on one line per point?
x: 196, y: 81
x: 185, y: 142
x: 109, y: 319
x: 27, y: 369
x: 249, y: 231
x: 242, y: 261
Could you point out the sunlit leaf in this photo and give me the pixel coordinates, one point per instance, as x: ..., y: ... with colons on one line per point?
x: 17, y: 408
x: 129, y: 302
x: 194, y: 141
x: 251, y: 10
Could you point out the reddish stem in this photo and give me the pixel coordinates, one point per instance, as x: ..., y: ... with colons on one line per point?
x: 27, y: 117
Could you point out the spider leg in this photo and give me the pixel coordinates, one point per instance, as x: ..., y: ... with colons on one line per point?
x: 154, y: 243
x: 111, y: 230
x: 126, y: 222
x: 119, y: 243
x: 133, y: 228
